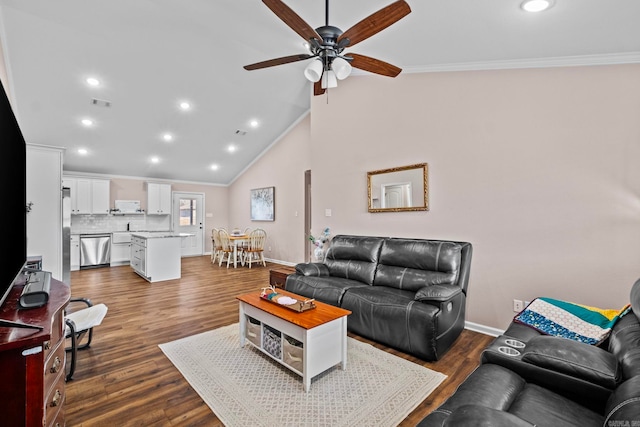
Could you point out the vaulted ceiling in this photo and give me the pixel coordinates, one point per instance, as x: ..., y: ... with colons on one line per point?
x: 150, y: 55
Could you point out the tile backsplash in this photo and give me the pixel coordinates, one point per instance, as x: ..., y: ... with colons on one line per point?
x: 110, y: 223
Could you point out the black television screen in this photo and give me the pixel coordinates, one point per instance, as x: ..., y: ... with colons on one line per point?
x: 13, y: 163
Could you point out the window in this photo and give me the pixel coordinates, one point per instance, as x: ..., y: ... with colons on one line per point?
x: 187, y: 212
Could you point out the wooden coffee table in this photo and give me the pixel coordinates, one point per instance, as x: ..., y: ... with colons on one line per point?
x: 319, y: 335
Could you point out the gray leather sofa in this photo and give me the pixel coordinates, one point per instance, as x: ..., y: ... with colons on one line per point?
x: 552, y: 382
x: 409, y: 294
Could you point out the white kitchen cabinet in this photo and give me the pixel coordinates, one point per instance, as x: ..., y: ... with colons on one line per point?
x: 158, y: 199
x: 100, y: 196
x: 88, y: 196
x: 120, y: 248
x: 75, y: 252
x: 156, y: 256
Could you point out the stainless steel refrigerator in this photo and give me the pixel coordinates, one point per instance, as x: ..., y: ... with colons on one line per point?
x: 66, y: 235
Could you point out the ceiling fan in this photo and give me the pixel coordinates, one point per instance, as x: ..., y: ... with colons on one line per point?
x: 327, y: 44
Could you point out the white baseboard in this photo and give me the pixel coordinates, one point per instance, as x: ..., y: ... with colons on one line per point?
x: 487, y: 330
x: 277, y: 261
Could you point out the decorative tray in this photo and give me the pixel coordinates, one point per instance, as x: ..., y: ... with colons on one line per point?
x: 270, y: 294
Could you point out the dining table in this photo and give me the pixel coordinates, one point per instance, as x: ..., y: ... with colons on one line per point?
x: 236, y: 239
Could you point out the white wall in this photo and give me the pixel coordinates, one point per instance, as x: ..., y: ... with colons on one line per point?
x: 282, y: 167
x: 537, y: 168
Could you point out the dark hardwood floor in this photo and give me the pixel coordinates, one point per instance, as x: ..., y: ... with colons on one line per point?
x: 124, y: 379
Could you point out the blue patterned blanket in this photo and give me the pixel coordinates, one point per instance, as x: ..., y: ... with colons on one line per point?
x: 582, y: 323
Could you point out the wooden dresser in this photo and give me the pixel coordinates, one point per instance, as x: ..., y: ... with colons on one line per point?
x: 278, y: 276
x: 32, y: 362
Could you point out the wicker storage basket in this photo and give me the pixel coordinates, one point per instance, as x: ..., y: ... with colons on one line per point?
x: 293, y: 353
x: 253, y: 330
x: 271, y: 342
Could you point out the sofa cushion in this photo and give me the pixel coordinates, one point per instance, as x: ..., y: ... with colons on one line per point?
x: 325, y: 289
x: 575, y: 359
x: 391, y: 316
x: 491, y: 386
x: 481, y: 416
x: 543, y: 407
x: 437, y: 293
x: 354, y: 257
x: 411, y: 264
x: 312, y: 269
x: 624, y: 404
x: 624, y: 343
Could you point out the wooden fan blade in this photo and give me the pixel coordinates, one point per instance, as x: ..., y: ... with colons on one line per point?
x: 376, y: 22
x: 277, y: 61
x: 317, y: 88
x: 289, y: 17
x: 374, y: 65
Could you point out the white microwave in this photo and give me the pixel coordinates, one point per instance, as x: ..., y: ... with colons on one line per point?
x: 127, y: 207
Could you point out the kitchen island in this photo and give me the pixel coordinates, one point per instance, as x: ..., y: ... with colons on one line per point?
x: 156, y: 256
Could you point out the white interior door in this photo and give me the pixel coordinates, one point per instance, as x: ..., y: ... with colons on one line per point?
x: 187, y: 215
x: 397, y: 195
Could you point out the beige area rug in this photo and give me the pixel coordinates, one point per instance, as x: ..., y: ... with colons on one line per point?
x: 244, y: 387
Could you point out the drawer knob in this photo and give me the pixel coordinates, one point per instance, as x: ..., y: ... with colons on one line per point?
x: 55, y: 367
x: 57, y: 397
x: 47, y: 345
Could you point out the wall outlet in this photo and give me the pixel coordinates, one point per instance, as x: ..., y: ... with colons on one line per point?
x: 517, y: 305
x: 526, y: 303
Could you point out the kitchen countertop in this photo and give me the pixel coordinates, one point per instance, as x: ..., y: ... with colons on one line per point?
x: 159, y: 234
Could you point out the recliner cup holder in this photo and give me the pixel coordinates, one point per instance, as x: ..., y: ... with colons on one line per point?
x: 509, y: 351
x: 514, y: 343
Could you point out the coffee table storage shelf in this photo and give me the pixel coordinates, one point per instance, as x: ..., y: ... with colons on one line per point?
x: 306, y: 343
x: 283, y: 348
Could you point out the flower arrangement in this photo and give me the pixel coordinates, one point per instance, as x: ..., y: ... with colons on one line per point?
x: 321, y: 239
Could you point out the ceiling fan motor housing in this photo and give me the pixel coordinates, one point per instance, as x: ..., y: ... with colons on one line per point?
x: 328, y: 48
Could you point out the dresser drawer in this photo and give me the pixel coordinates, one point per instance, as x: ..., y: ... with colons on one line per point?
x: 54, y: 366
x: 57, y: 334
x: 54, y: 403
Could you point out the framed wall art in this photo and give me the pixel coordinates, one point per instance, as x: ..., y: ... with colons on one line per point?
x: 263, y: 204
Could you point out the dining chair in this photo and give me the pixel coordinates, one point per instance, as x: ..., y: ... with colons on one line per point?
x: 244, y: 244
x: 78, y: 324
x: 226, y: 247
x: 255, y: 250
x: 215, y: 244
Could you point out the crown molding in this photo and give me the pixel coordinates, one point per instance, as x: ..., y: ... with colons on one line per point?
x: 564, y: 61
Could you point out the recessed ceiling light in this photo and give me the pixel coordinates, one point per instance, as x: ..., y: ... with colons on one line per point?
x: 87, y: 122
x: 92, y: 81
x: 82, y: 151
x: 254, y: 123
x: 536, y: 5
x: 214, y: 167
x: 167, y: 137
x: 155, y: 160
x: 184, y: 106
x: 231, y: 148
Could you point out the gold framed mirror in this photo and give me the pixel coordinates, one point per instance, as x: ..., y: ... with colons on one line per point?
x: 400, y: 189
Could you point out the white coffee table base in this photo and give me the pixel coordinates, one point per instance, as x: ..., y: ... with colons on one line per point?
x: 324, y: 346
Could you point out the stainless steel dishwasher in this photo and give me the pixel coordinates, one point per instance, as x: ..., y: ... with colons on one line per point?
x: 95, y: 250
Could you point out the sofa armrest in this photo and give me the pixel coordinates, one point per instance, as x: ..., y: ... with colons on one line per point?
x: 481, y: 416
x: 312, y: 269
x: 437, y: 293
x: 575, y: 359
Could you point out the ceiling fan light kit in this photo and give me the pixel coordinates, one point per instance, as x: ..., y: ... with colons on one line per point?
x: 314, y: 70
x: 329, y: 80
x: 327, y: 43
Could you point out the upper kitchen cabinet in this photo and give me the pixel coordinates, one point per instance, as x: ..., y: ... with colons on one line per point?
x: 158, y: 199
x: 88, y: 195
